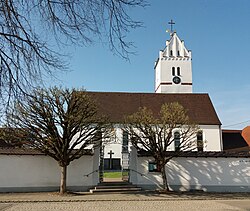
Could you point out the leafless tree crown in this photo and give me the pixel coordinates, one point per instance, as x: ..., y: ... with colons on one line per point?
x: 30, y: 27
x: 154, y: 133
x: 60, y: 123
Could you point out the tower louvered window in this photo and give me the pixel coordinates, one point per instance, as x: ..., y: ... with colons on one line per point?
x: 178, y: 71
x: 173, y: 71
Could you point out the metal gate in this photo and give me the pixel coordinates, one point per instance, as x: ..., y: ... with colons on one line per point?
x: 101, y: 164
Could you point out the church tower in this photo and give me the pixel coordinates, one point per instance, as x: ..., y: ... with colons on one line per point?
x: 173, y: 68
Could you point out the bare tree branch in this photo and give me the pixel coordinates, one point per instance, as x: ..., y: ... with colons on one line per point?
x: 28, y: 28
x: 154, y: 134
x: 59, y: 123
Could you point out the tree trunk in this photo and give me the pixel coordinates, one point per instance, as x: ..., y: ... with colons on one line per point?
x: 164, y: 178
x: 63, y: 180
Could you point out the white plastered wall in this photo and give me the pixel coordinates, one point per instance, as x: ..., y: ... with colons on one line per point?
x: 115, y: 144
x: 115, y: 148
x: 212, y: 137
x: 39, y: 172
x: 164, y: 75
x: 207, y: 174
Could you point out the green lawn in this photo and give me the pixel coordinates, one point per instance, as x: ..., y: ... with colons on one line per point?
x: 112, y: 174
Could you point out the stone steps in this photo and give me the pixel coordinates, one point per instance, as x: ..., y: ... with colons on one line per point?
x: 114, y: 187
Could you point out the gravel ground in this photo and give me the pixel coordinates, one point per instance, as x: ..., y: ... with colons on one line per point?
x: 189, y: 205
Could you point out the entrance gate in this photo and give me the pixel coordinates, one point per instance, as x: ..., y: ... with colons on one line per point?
x: 124, y: 169
x: 101, y: 164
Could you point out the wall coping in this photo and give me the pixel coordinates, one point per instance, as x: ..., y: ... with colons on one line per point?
x: 214, y: 154
x: 25, y: 151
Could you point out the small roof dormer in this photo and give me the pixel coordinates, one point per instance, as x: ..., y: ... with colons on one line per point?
x: 175, y: 48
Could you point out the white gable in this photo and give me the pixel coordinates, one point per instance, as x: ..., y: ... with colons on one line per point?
x: 176, y: 48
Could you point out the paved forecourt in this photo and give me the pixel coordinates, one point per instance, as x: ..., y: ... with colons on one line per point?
x: 199, y: 205
x: 125, y: 201
x: 125, y: 196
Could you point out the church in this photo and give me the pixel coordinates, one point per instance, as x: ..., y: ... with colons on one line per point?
x: 207, y: 168
x: 173, y: 83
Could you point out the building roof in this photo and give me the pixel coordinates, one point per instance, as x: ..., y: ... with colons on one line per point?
x: 19, y: 151
x: 232, y: 139
x: 116, y: 105
x: 10, y: 140
x: 25, y: 151
x: 246, y: 134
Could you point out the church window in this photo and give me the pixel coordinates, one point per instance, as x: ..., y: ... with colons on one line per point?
x: 173, y: 71
x: 125, y: 141
x: 178, y: 53
x: 177, y: 141
x: 200, y: 141
x: 178, y: 71
x: 171, y: 53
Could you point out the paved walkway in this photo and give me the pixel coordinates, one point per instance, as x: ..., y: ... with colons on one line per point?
x: 141, y: 201
x: 125, y: 196
x: 194, y: 205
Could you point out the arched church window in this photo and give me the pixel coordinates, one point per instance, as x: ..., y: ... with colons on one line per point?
x: 177, y: 140
x: 171, y: 53
x: 178, y: 71
x: 173, y: 71
x: 200, y: 141
x: 178, y: 53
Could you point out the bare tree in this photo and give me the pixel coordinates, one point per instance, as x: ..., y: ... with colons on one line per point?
x: 8, y: 139
x: 154, y: 133
x: 59, y: 123
x: 29, y: 28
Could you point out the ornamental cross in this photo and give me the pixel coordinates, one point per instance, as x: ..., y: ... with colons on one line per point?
x: 171, y: 23
x: 110, y: 159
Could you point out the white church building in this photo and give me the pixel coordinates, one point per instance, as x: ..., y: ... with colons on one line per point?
x: 207, y: 168
x: 210, y: 169
x: 173, y: 83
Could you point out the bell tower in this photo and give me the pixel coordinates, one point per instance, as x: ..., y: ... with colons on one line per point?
x: 173, y: 68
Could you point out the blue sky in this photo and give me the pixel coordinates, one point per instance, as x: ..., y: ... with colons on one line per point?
x: 216, y: 31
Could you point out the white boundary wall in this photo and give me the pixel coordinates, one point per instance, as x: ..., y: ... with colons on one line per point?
x: 188, y: 173
x: 20, y: 173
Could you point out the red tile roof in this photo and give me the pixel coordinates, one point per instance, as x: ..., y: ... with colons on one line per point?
x: 116, y: 105
x: 246, y: 134
x: 231, y: 131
